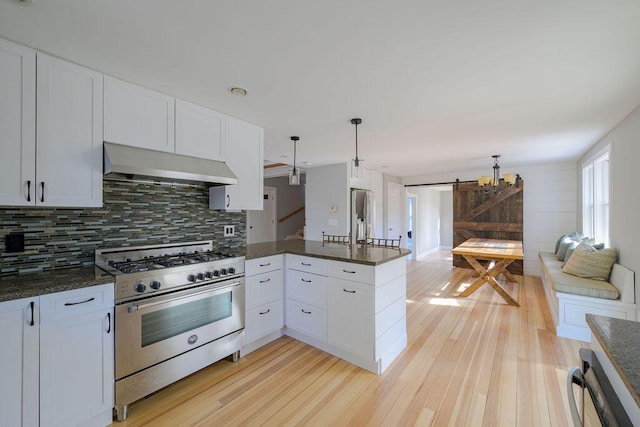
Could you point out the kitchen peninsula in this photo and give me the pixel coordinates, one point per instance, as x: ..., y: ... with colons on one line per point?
x: 347, y: 300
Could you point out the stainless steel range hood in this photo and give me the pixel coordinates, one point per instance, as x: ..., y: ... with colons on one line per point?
x: 123, y: 161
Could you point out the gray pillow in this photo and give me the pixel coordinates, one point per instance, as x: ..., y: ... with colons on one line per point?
x: 575, y: 236
x: 590, y: 263
x: 564, y: 246
x: 598, y: 246
x: 555, y: 251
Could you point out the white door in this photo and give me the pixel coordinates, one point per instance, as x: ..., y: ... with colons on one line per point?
x: 396, y: 212
x: 261, y: 225
x: 412, y: 243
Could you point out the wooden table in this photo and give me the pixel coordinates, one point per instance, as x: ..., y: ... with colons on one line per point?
x: 503, y: 252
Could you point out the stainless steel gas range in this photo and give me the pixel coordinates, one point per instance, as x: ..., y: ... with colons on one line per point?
x: 179, y: 308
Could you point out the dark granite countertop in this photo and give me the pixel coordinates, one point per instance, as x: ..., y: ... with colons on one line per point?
x: 47, y: 282
x: 358, y: 254
x: 619, y: 339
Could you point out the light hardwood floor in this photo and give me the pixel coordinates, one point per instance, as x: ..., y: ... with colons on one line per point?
x: 474, y: 361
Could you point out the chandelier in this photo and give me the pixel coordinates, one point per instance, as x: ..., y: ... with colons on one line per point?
x: 491, y: 184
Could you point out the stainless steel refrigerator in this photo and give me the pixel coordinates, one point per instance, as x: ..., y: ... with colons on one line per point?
x: 362, y: 215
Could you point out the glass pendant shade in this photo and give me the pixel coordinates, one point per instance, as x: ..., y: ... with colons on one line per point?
x: 294, y: 177
x: 356, y: 170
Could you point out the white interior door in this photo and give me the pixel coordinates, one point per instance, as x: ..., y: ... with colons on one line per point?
x: 261, y: 225
x: 412, y: 236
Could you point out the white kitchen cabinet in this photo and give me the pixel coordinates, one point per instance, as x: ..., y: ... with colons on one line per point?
x: 69, y: 134
x: 77, y: 357
x: 19, y: 355
x: 199, y: 131
x: 264, y: 314
x: 17, y: 124
x: 244, y: 155
x: 137, y: 116
x: 350, y: 315
x: 63, y: 165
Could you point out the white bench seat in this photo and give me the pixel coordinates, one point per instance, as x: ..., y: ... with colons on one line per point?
x: 570, y: 298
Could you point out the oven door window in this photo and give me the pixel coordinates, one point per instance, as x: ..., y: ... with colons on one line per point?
x: 171, y: 321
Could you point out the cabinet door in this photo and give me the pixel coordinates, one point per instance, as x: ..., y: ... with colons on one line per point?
x: 76, y: 359
x: 244, y: 156
x: 264, y: 320
x: 19, y: 362
x: 137, y: 116
x: 69, y: 134
x: 17, y: 124
x: 350, y: 314
x: 199, y: 131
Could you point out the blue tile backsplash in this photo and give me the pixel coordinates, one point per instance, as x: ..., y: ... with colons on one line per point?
x: 133, y: 214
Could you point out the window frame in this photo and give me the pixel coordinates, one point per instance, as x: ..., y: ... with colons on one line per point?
x: 595, y: 195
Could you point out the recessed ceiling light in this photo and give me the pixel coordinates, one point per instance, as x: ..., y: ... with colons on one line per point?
x: 284, y: 156
x: 238, y: 91
x: 306, y: 163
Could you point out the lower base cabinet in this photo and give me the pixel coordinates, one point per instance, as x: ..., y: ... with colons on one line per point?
x: 351, y: 317
x: 56, y: 359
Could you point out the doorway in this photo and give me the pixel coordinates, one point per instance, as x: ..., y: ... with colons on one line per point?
x: 261, y: 225
x: 412, y: 207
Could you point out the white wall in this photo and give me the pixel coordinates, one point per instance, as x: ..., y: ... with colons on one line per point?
x: 327, y: 186
x: 624, y: 203
x: 446, y: 219
x: 550, y: 203
x: 427, y: 220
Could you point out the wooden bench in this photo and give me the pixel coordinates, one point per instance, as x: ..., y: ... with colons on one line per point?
x: 568, y: 310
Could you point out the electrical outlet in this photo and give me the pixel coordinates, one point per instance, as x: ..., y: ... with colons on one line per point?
x: 229, y: 230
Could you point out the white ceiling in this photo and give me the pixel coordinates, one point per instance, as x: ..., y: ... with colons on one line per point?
x: 440, y: 85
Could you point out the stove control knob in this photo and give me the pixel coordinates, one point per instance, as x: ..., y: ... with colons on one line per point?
x: 140, y: 287
x: 216, y: 273
x: 155, y: 285
x: 232, y: 270
x: 191, y: 277
x: 223, y: 271
x: 200, y: 276
x: 208, y: 274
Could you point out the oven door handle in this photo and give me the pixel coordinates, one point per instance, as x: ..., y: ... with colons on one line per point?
x: 135, y: 307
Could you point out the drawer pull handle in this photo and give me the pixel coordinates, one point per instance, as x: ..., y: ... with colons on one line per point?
x: 42, y: 194
x: 265, y: 265
x: 347, y: 271
x: 351, y: 292
x: 265, y: 281
x: 265, y: 312
x: 306, y: 312
x: 306, y: 281
x: 32, y: 305
x: 79, y: 302
x: 109, y: 325
x: 306, y: 265
x: 28, y: 191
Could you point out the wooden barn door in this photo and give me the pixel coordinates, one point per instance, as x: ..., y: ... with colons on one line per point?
x: 493, y: 216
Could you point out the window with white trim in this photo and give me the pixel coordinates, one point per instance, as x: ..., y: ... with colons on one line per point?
x: 595, y: 197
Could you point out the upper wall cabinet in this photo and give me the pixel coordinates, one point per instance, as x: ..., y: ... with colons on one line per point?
x: 137, y: 116
x: 69, y: 134
x: 17, y: 124
x: 199, y: 131
x: 244, y: 155
x: 66, y: 168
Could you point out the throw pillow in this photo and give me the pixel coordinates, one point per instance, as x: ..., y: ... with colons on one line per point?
x: 590, y: 263
x: 598, y: 246
x: 555, y: 251
x: 570, y: 250
x: 565, y: 242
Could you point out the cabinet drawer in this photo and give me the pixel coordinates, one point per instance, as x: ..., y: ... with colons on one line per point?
x: 307, y: 287
x: 307, y: 319
x: 262, y: 265
x: 353, y: 272
x: 264, y: 288
x: 78, y: 301
x: 308, y: 264
x: 263, y: 320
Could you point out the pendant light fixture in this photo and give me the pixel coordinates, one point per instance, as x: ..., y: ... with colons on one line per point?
x: 356, y: 170
x: 294, y: 174
x: 491, y: 184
